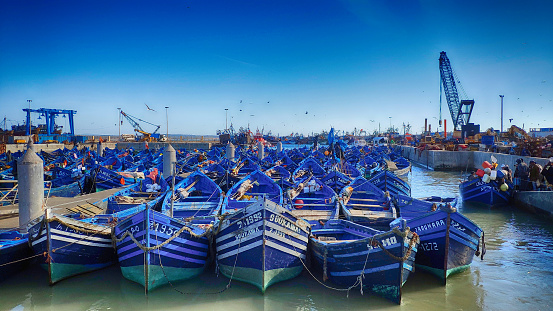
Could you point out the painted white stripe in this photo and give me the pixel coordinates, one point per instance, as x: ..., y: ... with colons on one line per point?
x: 285, y: 240
x: 285, y: 250
x: 80, y: 236
x: 287, y: 231
x: 234, y: 233
x: 40, y: 240
x: 82, y: 242
x: 236, y: 241
x: 242, y: 248
x: 367, y: 271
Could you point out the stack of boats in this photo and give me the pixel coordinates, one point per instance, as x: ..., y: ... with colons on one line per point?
x: 261, y: 216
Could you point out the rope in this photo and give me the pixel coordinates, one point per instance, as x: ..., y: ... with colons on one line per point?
x: 413, y: 241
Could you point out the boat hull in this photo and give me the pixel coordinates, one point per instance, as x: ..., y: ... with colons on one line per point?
x: 71, y: 247
x: 179, y: 256
x: 14, y: 249
x: 448, y: 244
x: 348, y: 262
x: 262, y: 244
x: 485, y: 193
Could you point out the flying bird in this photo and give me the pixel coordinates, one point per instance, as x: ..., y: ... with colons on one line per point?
x: 149, y: 107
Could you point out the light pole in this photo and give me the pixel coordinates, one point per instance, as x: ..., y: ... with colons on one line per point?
x: 501, y: 112
x: 167, y: 121
x: 390, y: 124
x: 29, y: 131
x: 119, y: 122
x: 226, y: 120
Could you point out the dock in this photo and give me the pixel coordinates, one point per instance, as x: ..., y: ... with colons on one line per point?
x: 9, y: 214
x: 537, y: 202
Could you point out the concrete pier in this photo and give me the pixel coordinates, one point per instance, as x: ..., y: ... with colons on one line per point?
x: 442, y: 160
x: 537, y: 202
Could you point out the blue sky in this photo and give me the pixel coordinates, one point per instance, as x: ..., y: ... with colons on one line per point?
x: 285, y: 66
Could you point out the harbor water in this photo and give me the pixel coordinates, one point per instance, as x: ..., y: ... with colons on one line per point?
x: 516, y: 274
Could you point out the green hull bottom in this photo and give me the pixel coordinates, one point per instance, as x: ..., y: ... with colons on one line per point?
x: 157, y: 276
x: 389, y: 292
x: 258, y: 278
x: 440, y: 273
x: 61, y: 271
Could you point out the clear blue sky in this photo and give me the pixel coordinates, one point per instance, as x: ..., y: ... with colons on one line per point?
x: 287, y: 66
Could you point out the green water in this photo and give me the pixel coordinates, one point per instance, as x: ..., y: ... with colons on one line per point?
x: 516, y: 274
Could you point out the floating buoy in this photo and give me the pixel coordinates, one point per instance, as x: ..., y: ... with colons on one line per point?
x: 504, y: 187
x: 122, y: 181
x: 298, y: 203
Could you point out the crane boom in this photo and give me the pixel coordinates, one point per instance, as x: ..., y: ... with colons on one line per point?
x: 137, y: 128
x: 460, y: 110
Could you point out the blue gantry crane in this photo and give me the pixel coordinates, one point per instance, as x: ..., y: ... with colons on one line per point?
x: 460, y: 110
x: 50, y: 116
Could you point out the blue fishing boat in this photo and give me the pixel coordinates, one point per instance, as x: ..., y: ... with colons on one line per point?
x: 154, y: 249
x: 71, y: 246
x: 364, y: 203
x: 151, y: 190
x: 261, y: 243
x: 449, y: 240
x: 196, y: 199
x: 14, y: 253
x: 352, y: 255
x: 309, y: 166
x: 488, y: 193
x: 247, y: 191
x: 313, y: 200
x: 336, y: 180
x: 280, y: 175
x: 388, y: 181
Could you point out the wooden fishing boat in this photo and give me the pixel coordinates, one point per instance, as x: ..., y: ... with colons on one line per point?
x: 196, y: 199
x: 487, y: 193
x: 363, y: 202
x: 388, y: 181
x: 261, y: 244
x: 313, y: 200
x: 71, y: 245
x: 14, y: 253
x: 352, y: 255
x: 154, y: 249
x: 336, y: 180
x: 449, y: 240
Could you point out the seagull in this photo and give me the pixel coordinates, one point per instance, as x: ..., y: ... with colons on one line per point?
x: 149, y: 107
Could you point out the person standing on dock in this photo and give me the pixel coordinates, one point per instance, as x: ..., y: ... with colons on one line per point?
x: 535, y: 171
x: 547, y: 173
x: 521, y: 175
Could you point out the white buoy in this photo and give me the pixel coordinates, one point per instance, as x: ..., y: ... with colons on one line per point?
x: 260, y: 150
x: 279, y: 147
x: 169, y: 158
x: 30, y: 187
x: 230, y: 151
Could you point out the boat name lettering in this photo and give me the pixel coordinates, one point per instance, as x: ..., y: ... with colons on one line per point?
x: 67, y: 229
x: 286, y: 223
x: 457, y: 226
x: 242, y: 234
x: 162, y: 228
x: 431, y: 225
x: 277, y: 232
x: 430, y: 246
x: 386, y: 242
x: 246, y: 221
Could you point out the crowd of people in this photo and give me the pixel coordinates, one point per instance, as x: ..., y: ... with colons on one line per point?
x: 532, y: 176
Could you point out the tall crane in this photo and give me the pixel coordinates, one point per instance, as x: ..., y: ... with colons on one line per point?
x: 146, y: 136
x: 460, y: 110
